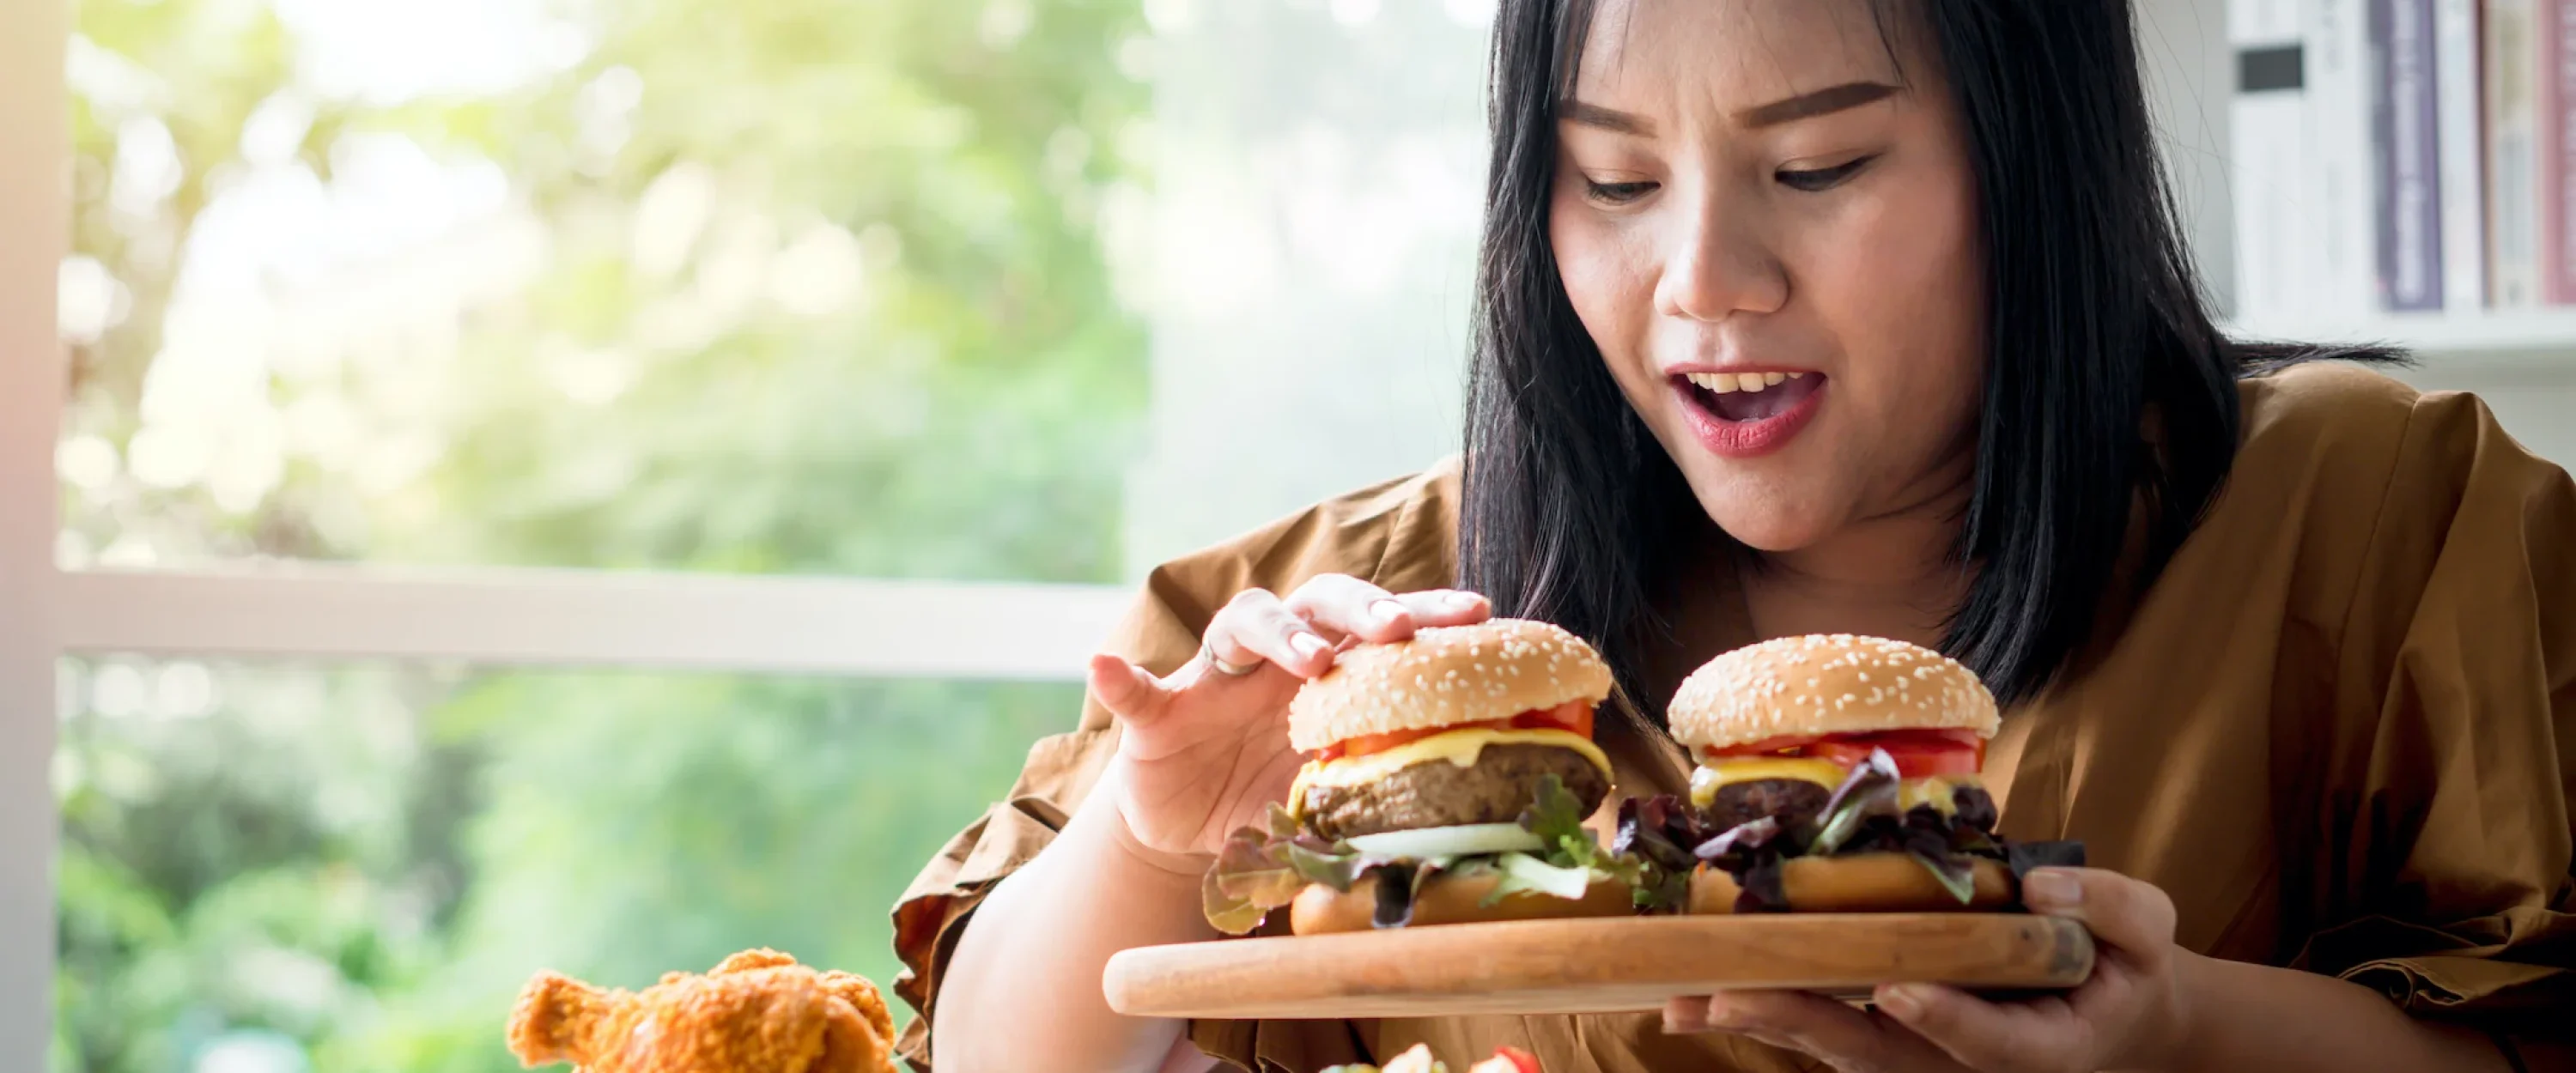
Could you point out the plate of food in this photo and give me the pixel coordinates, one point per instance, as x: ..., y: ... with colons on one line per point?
x: 1433, y: 856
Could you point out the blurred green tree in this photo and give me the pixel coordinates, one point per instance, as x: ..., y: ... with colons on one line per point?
x: 799, y: 286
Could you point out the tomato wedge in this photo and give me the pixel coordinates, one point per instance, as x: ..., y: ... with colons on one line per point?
x: 1575, y: 717
x: 1918, y: 753
x: 1522, y: 1061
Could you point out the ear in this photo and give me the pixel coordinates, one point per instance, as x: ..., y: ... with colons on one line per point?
x: 552, y: 1018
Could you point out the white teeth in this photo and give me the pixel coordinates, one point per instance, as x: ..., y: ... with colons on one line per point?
x: 1721, y: 383
x: 1730, y: 383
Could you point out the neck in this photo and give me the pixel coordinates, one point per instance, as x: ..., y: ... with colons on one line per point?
x: 1893, y: 574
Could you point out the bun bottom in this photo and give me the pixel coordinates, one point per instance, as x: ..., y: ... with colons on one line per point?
x: 1320, y: 909
x: 1860, y: 883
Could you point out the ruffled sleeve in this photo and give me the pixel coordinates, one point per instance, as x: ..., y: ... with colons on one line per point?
x: 1398, y: 534
x: 2453, y: 760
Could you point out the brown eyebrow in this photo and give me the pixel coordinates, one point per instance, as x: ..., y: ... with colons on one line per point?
x: 1593, y: 115
x: 1822, y: 102
x: 1803, y: 106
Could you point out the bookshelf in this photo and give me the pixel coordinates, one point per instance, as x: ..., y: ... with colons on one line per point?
x: 2193, y: 51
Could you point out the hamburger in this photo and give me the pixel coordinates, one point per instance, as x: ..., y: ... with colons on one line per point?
x: 1447, y: 781
x: 1835, y: 774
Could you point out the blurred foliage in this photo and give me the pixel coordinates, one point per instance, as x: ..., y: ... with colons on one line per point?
x: 797, y: 286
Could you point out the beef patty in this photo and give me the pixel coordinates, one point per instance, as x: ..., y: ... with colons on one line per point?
x: 1791, y: 800
x: 1436, y: 793
x: 1795, y: 800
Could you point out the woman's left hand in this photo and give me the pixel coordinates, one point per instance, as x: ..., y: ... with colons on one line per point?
x: 2132, y: 1014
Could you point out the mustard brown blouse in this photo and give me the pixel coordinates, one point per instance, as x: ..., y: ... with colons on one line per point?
x: 2339, y: 729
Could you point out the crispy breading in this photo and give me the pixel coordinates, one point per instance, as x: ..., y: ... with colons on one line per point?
x: 757, y: 1012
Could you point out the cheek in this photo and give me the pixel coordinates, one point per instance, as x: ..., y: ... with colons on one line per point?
x: 1903, y: 288
x: 1607, y: 284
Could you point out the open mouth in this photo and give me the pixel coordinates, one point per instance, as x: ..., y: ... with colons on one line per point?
x: 1744, y: 397
x: 1742, y: 414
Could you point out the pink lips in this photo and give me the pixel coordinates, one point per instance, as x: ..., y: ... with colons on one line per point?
x: 1755, y: 437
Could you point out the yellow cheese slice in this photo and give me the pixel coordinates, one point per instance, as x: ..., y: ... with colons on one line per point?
x: 1939, y: 791
x: 1460, y: 747
x: 1708, y: 780
x: 1935, y: 791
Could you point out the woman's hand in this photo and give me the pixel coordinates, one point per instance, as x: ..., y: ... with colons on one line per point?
x: 1205, y: 751
x: 2133, y: 1013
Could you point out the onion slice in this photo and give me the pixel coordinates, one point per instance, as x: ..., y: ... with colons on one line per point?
x: 1464, y: 841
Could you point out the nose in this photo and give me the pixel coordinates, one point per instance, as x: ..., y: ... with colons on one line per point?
x: 1718, y: 266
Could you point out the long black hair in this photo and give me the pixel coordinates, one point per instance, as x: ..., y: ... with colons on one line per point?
x: 2097, y: 327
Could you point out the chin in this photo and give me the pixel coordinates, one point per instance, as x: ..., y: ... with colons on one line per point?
x: 1764, y: 521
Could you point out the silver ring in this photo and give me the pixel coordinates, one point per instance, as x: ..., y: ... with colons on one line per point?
x: 1207, y: 652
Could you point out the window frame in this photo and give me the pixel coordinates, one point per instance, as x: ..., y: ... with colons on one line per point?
x: 663, y: 621
x: 35, y: 230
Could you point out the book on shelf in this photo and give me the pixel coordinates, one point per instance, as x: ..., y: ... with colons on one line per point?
x: 2276, y: 242
x: 2405, y: 185
x: 2513, y: 77
x: 2460, y: 139
x: 2557, y: 144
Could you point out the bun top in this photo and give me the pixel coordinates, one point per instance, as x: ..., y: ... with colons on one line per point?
x: 1837, y: 684
x: 1445, y: 676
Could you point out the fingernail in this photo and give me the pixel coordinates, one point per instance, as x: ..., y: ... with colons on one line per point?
x: 2052, y: 887
x: 1385, y: 611
x: 1309, y: 645
x: 1461, y: 599
x: 1901, y: 1001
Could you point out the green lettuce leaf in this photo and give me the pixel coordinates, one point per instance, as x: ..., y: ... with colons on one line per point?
x: 1262, y: 868
x: 1869, y: 790
x: 1252, y: 876
x: 1954, y: 872
x: 1523, y: 873
x: 1556, y: 816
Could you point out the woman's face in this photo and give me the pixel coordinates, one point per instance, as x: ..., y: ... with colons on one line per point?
x: 1769, y: 226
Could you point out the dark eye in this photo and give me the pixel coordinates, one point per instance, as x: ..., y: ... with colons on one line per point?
x: 1822, y: 178
x: 1616, y: 193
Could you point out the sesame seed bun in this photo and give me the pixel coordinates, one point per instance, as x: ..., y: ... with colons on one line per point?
x: 1445, y: 676
x: 1861, y: 883
x: 1837, y: 684
x: 1452, y: 899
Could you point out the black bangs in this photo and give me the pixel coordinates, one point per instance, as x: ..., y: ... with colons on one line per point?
x: 1573, y: 513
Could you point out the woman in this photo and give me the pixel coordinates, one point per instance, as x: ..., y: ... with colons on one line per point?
x: 2290, y: 647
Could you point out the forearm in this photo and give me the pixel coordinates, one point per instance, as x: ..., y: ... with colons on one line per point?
x: 2257, y: 1017
x: 1022, y: 991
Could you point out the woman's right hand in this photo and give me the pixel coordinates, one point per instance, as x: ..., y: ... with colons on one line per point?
x: 1205, y: 752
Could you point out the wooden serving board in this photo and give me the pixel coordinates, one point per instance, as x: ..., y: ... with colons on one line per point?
x: 1591, y: 966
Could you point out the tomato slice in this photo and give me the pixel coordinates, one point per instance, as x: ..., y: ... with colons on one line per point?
x: 1521, y: 1060
x: 1918, y: 753
x: 1575, y: 717
x: 1915, y: 759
